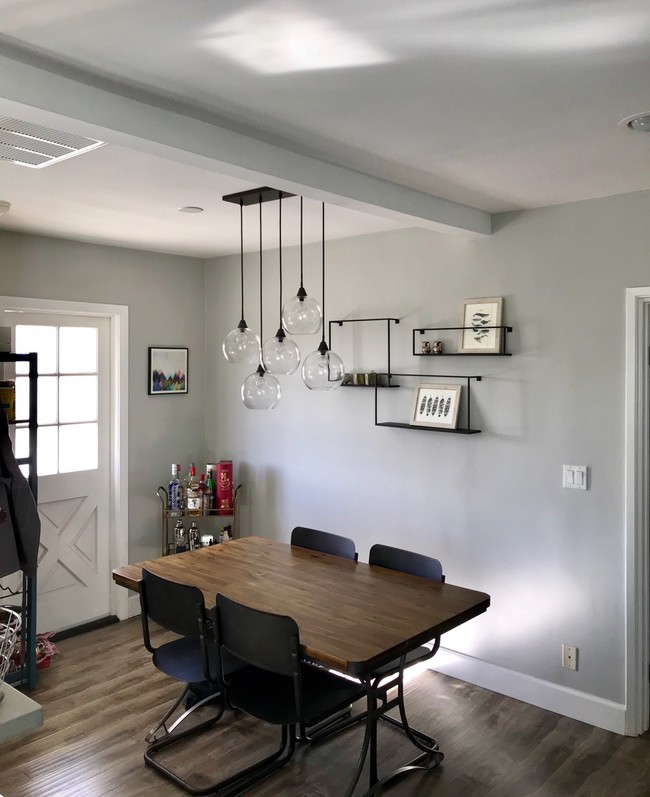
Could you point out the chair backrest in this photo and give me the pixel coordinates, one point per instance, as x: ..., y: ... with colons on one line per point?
x: 416, y: 564
x: 268, y: 641
x: 176, y: 607
x: 324, y: 541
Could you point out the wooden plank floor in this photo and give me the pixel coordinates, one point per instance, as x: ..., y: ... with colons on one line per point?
x: 102, y: 694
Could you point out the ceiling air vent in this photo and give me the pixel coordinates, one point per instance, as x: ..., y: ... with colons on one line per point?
x: 27, y: 144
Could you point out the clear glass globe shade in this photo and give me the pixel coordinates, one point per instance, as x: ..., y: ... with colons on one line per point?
x: 241, y: 346
x: 260, y: 391
x: 323, y: 371
x: 280, y: 355
x: 301, y: 315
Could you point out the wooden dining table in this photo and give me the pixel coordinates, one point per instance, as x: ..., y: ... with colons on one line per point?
x: 353, y: 617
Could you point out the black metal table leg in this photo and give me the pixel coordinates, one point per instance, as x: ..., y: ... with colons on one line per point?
x: 429, y: 757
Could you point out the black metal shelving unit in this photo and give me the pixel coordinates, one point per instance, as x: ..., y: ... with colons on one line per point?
x: 504, y: 353
x: 466, y: 429
x: 26, y: 674
x: 388, y: 321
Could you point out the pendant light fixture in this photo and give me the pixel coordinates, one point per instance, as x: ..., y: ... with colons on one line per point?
x: 260, y: 390
x: 279, y: 354
x: 241, y: 345
x: 301, y: 315
x: 323, y: 369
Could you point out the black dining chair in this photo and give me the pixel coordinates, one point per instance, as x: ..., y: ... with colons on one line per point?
x: 188, y: 658
x: 415, y: 564
x: 274, y: 686
x: 391, y: 674
x: 335, y: 545
x: 324, y: 541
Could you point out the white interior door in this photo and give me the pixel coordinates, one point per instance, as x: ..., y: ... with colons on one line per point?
x: 73, y: 461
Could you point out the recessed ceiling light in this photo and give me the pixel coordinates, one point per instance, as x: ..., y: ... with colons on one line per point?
x: 190, y: 209
x: 639, y: 122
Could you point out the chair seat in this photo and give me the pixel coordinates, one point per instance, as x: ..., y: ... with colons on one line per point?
x: 412, y: 657
x: 181, y: 659
x: 271, y: 696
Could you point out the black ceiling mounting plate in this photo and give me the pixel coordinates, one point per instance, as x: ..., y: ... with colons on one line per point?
x: 252, y: 197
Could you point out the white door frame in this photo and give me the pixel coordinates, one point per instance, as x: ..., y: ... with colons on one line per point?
x: 637, y: 505
x: 118, y: 316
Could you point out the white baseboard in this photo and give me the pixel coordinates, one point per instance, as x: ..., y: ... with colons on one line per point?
x: 552, y: 697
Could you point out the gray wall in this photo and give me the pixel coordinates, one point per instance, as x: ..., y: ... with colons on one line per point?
x: 490, y: 506
x: 164, y: 295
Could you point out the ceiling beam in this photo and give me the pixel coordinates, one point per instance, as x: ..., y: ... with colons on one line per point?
x: 41, y: 90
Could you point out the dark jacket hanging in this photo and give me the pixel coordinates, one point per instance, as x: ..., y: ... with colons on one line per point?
x: 18, y: 503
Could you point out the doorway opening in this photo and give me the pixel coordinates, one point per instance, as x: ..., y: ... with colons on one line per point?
x: 83, y: 487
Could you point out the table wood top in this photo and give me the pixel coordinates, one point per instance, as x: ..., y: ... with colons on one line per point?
x: 352, y: 617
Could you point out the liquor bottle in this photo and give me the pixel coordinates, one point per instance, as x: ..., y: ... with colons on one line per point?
x: 181, y: 491
x: 193, y: 503
x: 174, y: 494
x: 194, y: 537
x: 210, y: 492
x: 203, y: 492
x: 223, y: 536
x: 180, y: 537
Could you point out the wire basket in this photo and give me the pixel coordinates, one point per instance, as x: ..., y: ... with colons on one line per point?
x: 9, y: 628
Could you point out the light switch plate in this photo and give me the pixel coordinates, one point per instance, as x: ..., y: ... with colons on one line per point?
x: 574, y: 477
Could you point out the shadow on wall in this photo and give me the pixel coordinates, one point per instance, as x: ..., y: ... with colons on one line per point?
x: 258, y: 502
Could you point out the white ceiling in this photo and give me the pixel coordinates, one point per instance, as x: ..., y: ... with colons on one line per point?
x: 429, y: 112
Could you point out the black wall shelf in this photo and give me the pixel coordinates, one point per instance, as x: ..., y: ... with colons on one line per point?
x: 422, y: 330
x: 466, y: 429
x: 386, y: 373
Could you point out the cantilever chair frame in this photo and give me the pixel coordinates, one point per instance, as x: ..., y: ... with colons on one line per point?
x: 391, y: 675
x: 181, y: 623
x: 278, y: 656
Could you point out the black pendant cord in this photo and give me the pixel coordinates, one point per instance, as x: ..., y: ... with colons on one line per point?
x: 323, y: 348
x: 280, y: 252
x: 301, y: 265
x: 241, y: 253
x: 261, y: 369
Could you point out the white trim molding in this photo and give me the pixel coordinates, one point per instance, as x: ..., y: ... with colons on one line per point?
x: 118, y: 316
x: 552, y: 697
x: 637, y: 429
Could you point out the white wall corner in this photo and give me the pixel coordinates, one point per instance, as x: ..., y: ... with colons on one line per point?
x: 552, y: 697
x: 134, y: 605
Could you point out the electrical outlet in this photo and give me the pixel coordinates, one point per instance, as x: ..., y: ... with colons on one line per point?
x: 570, y: 657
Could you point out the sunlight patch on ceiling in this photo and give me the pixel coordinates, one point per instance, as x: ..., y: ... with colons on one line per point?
x: 274, y: 41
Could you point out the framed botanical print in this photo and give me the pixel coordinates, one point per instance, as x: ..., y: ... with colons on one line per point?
x: 436, y: 406
x: 482, y: 332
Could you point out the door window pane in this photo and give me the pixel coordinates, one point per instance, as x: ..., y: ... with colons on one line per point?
x: 77, y: 399
x: 77, y: 350
x: 47, y: 448
x: 47, y: 399
x: 22, y: 398
x: 21, y: 442
x: 78, y: 447
x: 47, y: 451
x: 40, y: 339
